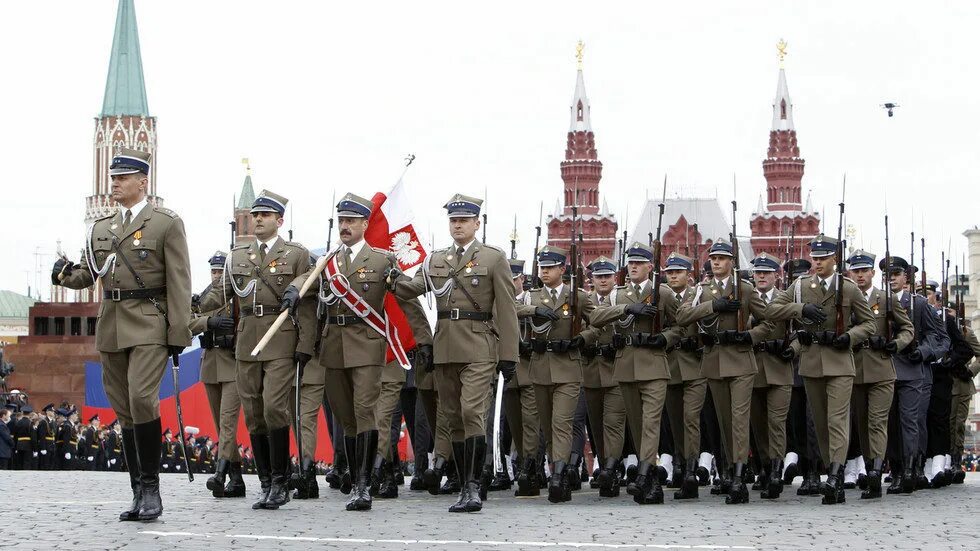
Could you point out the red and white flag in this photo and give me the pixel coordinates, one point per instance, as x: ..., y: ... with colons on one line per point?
x: 390, y: 228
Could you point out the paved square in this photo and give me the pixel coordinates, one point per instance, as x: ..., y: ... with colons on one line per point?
x: 78, y: 510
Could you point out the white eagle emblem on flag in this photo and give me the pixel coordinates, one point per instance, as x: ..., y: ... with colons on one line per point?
x: 405, y: 248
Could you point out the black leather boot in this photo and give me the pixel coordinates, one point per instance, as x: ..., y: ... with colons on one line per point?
x: 452, y: 484
x: 388, y: 487
x: 648, y: 487
x: 959, y: 475
x: 459, y: 461
x: 677, y: 475
x: 527, y: 480
x: 216, y: 483
x: 305, y: 483
x: 501, y: 480
x: 761, y: 481
x: 396, y: 468
x: 133, y: 466
x: 432, y: 477
x: 748, y: 474
x: 261, y: 454
x: 366, y: 449
x: 558, y: 488
x: 909, y: 475
x: 833, y: 490
x: 574, y: 480
x: 738, y: 493
x: 279, y: 463
x: 609, y: 478
x: 474, y: 453
x: 378, y: 469
x: 897, y: 472
x: 774, y: 483
x: 921, y: 482
x: 724, y: 482
x: 873, y: 489
x: 418, y: 478
x: 236, y: 484
x: 484, y: 479
x: 148, y: 454
x: 350, y: 465
x: 689, y: 485
x: 811, y: 484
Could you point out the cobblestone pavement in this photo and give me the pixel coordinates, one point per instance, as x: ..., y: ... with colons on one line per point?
x: 78, y: 510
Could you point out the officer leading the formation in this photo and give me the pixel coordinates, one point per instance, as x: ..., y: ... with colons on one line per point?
x: 138, y: 256
x: 476, y: 334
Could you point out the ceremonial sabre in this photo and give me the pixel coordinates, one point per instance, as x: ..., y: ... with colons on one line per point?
x: 498, y: 465
x: 180, y: 416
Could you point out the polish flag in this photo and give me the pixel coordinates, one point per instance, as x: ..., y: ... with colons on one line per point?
x: 390, y: 228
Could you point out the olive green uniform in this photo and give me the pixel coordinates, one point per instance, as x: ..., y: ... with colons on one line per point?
x: 963, y: 391
x: 686, y: 390
x: 772, y: 388
x: 519, y: 404
x: 603, y: 396
x: 219, y: 374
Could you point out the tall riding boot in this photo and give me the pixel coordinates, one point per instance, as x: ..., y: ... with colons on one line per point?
x: 378, y: 469
x: 432, y: 477
x: 833, y: 490
x: 558, y: 488
x: 148, y: 453
x: 305, y: 481
x: 609, y: 478
x: 350, y: 465
x: 873, y: 489
x: 133, y: 466
x: 689, y: 485
x: 236, y: 484
x: 366, y: 451
x: 216, y: 483
x: 452, y: 484
x: 262, y: 456
x: 574, y: 480
x: 774, y: 486
x: 739, y: 493
x: 459, y: 460
x: 897, y: 473
x: 475, y: 448
x: 279, y: 463
x: 527, y: 482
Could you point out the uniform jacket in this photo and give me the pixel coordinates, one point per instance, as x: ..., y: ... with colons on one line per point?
x: 45, y: 436
x: 422, y: 332
x: 22, y: 435
x: 6, y: 442
x: 599, y: 371
x: 969, y: 387
x: 930, y: 337
x: 719, y: 361
x: 873, y: 366
x: 819, y: 360
x: 773, y: 370
x: 684, y: 357
x: 65, y: 441
x: 283, y: 262
x: 548, y: 368
x: 217, y: 363
x: 485, y: 274
x: 523, y: 374
x: 633, y: 363
x: 159, y: 257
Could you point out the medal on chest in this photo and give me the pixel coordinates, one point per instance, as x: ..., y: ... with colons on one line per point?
x: 564, y: 310
x: 272, y: 267
x: 136, y: 237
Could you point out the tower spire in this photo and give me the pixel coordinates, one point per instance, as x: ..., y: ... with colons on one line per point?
x: 125, y: 91
x: 782, y: 106
x: 580, y: 110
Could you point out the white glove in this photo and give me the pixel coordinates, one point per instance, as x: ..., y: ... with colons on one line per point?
x: 44, y: 452
x: 91, y: 458
x: 165, y: 466
x: 112, y: 461
x: 177, y: 467
x: 67, y: 456
x: 35, y: 454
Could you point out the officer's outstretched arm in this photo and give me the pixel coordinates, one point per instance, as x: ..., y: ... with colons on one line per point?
x: 669, y: 306
x: 865, y: 324
x: 407, y: 289
x: 783, y: 307
x: 688, y: 313
x: 604, y: 315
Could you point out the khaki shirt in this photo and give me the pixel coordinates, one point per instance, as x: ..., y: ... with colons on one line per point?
x: 485, y: 274
x: 548, y: 368
x: 155, y: 246
x: 718, y: 361
x: 640, y: 364
x: 818, y: 360
x: 873, y: 366
x: 272, y: 276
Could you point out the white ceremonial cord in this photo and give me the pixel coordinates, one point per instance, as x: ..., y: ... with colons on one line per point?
x: 242, y: 293
x: 90, y: 257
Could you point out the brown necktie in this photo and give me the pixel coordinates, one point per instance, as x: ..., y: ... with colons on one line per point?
x: 262, y: 250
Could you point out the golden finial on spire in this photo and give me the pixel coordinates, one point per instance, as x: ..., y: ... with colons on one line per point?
x: 578, y: 53
x: 781, y: 48
x: 248, y: 167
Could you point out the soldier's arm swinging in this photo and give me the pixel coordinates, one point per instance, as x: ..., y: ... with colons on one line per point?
x: 505, y: 310
x: 178, y: 285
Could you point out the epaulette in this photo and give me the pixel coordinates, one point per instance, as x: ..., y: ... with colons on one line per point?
x: 240, y: 247
x: 165, y: 211
x: 385, y: 252
x: 620, y: 287
x: 106, y: 217
x: 295, y: 244
x: 498, y: 249
x: 851, y: 280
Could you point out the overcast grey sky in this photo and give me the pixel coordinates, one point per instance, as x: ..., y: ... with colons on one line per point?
x: 327, y: 95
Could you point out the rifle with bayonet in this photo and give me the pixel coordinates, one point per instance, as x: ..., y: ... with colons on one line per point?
x: 657, y: 272
x: 910, y: 276
x: 534, y: 281
x: 321, y: 319
x: 697, y: 256
x: 886, y: 284
x: 513, y: 241
x: 574, y: 280
x: 840, y: 326
x: 736, y: 277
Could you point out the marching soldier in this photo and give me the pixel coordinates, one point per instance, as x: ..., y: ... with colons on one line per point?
x: 219, y: 373
x: 138, y: 256
x: 258, y: 273
x: 930, y: 342
x: 644, y: 329
x: 353, y: 342
x: 773, y: 387
x: 963, y: 390
x: 556, y: 363
x: 475, y: 337
x: 727, y: 361
x: 874, y: 372
x: 604, y: 397
x: 393, y: 378
x: 686, y: 388
x: 827, y: 361
x: 518, y: 401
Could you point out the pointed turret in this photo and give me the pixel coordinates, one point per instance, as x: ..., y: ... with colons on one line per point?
x: 125, y: 92
x: 580, y: 110
x: 243, y: 218
x: 782, y: 106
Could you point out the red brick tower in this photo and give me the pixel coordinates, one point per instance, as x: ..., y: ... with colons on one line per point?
x: 783, y: 209
x: 581, y: 171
